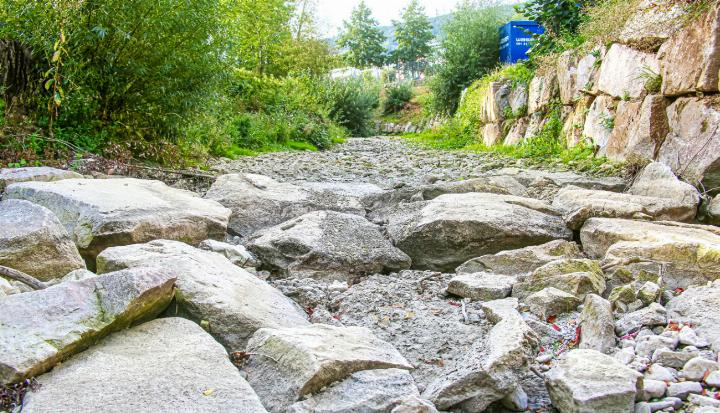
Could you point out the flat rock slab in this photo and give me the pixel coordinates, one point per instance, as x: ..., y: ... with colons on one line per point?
x: 41, y: 174
x: 33, y: 241
x: 232, y: 302
x: 690, y: 253
x: 588, y: 381
x: 102, y: 213
x: 328, y: 245
x: 259, y: 202
x: 447, y: 231
x: 482, y: 286
x: 523, y: 260
x: 699, y: 306
x: 289, y: 363
x: 165, y: 365
x: 40, y: 329
x: 578, y: 277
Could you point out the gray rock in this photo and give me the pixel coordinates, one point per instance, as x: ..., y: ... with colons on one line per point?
x: 660, y: 373
x: 34, y: 241
x: 516, y: 401
x: 642, y: 407
x: 589, y: 381
x: 447, y: 231
x: 689, y: 254
x: 652, y: 23
x: 688, y: 337
x: 713, y: 379
x: 229, y: 301
x: 367, y: 391
x: 237, y: 254
x: 165, y: 365
x: 41, y: 328
x: 651, y: 316
x: 414, y: 405
x: 598, y: 324
x: 40, y: 174
x: 551, y: 301
x: 482, y: 286
x: 625, y: 355
x: 621, y: 67
x: 698, y: 306
x: 578, y: 277
x: 653, y: 389
x: 102, y: 213
x: 704, y: 401
x: 596, y: 127
x: 259, y: 202
x: 78, y: 275
x: 674, y: 359
x: 698, y: 367
x: 523, y: 260
x: 289, y: 363
x: 647, y: 345
x: 683, y: 389
x: 326, y: 245
x: 713, y: 211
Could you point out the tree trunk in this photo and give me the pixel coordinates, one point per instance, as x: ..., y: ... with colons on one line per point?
x: 19, y: 74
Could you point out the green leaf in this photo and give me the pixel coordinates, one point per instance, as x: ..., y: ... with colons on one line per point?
x: 57, y: 99
x: 49, y: 84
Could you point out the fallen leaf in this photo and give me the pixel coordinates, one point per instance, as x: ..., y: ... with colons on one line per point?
x: 552, y: 319
x: 208, y: 392
x: 555, y: 327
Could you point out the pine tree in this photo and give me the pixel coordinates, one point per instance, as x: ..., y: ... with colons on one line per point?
x: 413, y: 34
x: 363, y: 38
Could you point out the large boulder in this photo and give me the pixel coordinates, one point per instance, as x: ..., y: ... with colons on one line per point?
x: 690, y: 59
x: 656, y: 194
x: 102, y: 213
x: 523, y: 260
x: 692, y: 148
x: 326, y: 244
x: 599, y: 120
x: 229, y: 301
x: 288, y: 363
x: 685, y: 254
x: 578, y: 277
x: 622, y: 71
x: 35, y: 242
x: 543, y: 89
x: 40, y: 329
x: 640, y: 129
x: 567, y: 77
x: 41, y: 174
x: 551, y: 301
x: 259, y: 202
x: 653, y: 22
x: 165, y: 365
x: 589, y: 381
x: 370, y: 391
x: 494, y: 102
x: 447, y: 231
x: 699, y: 307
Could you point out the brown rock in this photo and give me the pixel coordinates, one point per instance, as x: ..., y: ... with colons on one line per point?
x: 543, y: 88
x: 640, y: 129
x: 492, y: 134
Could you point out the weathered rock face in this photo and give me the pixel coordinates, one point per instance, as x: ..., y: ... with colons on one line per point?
x: 169, y: 364
x: 599, y: 120
x: 517, y: 132
x: 713, y: 211
x: 371, y: 391
x: 578, y: 277
x: 260, y: 202
x: 492, y: 134
x: 689, y: 254
x: 518, y: 99
x: 523, y: 260
x: 622, y: 69
x: 287, y: 364
x: 237, y: 254
x: 698, y: 305
x: 567, y: 75
x: 482, y: 286
x: 327, y: 244
x: 542, y: 90
x: 41, y: 328
x: 589, y: 381
x: 35, y: 242
x: 575, y: 123
x: 598, y: 324
x: 40, y: 174
x: 101, y: 213
x: 230, y: 301
x: 536, y: 121
x: 690, y: 59
x: 494, y: 102
x: 655, y: 194
x: 692, y: 148
x: 653, y: 23
x: 640, y: 129
x: 447, y: 231
x: 550, y: 301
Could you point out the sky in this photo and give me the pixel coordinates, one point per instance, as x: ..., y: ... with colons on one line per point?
x: 331, y: 13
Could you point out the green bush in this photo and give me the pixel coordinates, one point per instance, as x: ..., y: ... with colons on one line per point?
x: 352, y: 104
x: 396, y: 97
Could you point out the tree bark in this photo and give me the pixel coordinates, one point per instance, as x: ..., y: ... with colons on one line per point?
x: 19, y: 74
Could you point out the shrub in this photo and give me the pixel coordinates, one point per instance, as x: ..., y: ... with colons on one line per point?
x: 352, y: 103
x: 396, y: 97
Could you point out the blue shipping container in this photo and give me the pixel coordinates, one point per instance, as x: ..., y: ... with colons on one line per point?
x: 515, y: 38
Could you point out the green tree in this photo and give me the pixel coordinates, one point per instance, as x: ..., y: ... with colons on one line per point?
x: 363, y: 38
x: 468, y: 51
x: 414, y: 34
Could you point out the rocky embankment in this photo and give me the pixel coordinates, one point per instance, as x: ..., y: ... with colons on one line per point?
x: 376, y: 289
